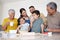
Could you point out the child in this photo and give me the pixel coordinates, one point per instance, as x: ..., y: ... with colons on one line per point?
x: 23, y: 26
x: 37, y: 23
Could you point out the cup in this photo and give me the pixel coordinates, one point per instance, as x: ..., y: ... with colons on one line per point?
x: 11, y: 23
x: 49, y: 33
x: 12, y: 33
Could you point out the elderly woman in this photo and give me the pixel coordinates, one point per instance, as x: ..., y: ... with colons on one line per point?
x: 10, y: 23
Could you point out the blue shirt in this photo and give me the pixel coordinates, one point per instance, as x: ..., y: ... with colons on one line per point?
x: 36, y: 27
x: 27, y: 21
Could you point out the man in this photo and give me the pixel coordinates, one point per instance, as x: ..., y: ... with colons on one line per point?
x: 53, y: 18
x: 10, y: 23
x: 32, y: 8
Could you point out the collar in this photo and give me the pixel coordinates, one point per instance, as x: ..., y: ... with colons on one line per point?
x: 53, y: 14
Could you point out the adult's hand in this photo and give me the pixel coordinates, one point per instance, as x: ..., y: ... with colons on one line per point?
x: 54, y: 30
x: 5, y: 26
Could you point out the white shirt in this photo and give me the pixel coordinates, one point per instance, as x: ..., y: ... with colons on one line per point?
x: 24, y: 27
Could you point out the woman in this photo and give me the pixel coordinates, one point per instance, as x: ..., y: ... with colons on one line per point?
x: 24, y: 15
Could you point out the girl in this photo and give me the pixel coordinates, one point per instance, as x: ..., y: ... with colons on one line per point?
x: 23, y: 25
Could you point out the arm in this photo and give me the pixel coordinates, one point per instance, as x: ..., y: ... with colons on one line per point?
x: 31, y: 24
x: 18, y: 27
x: 28, y: 29
x: 4, y: 27
x: 42, y: 28
x: 49, y: 29
x: 53, y: 30
x: 31, y: 21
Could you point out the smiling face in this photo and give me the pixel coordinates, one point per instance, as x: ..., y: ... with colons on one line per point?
x: 22, y: 21
x: 32, y: 9
x: 24, y: 13
x: 35, y: 16
x: 11, y: 14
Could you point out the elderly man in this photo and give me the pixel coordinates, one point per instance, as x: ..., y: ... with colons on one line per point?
x: 53, y: 18
x: 10, y: 23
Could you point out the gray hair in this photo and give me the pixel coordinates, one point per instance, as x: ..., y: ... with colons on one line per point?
x: 11, y: 10
x: 52, y: 5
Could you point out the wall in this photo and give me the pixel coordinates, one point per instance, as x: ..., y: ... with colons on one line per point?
x: 0, y: 13
x: 39, y: 5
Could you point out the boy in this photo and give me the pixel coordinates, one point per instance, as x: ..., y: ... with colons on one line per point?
x: 37, y: 23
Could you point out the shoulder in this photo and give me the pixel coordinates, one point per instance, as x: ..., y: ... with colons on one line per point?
x: 58, y: 13
x: 15, y: 18
x: 5, y: 18
x: 40, y: 19
x: 42, y: 15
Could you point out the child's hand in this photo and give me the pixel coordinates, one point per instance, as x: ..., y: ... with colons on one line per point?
x: 31, y: 19
x: 19, y: 27
x: 18, y: 32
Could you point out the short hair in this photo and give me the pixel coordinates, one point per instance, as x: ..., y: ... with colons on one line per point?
x: 11, y: 10
x: 22, y: 18
x: 36, y: 12
x: 22, y: 9
x: 31, y: 7
x: 52, y: 5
